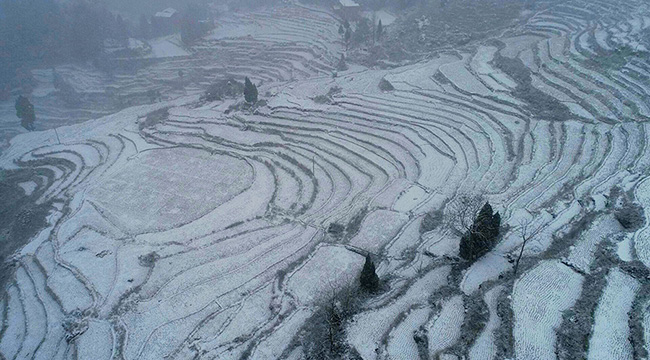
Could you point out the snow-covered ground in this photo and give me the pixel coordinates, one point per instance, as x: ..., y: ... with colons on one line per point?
x: 169, y: 46
x: 205, y: 235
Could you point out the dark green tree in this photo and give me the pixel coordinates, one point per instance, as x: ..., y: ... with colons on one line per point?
x: 369, y: 280
x: 192, y: 27
x: 250, y: 91
x: 347, y: 37
x: 336, y: 229
x: 342, y: 65
x: 25, y: 111
x: 379, y: 31
x: 482, y: 235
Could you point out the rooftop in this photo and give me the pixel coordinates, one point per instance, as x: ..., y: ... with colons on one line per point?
x: 167, y: 13
x: 348, y: 3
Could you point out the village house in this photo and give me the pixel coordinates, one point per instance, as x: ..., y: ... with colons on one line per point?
x: 166, y: 22
x: 348, y: 9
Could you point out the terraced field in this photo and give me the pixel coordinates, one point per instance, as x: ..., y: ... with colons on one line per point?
x: 284, y: 43
x: 204, y: 235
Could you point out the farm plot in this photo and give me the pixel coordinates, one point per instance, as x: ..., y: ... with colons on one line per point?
x: 328, y: 270
x: 458, y: 74
x: 642, y: 237
x: 377, y: 229
x: 610, y: 337
x: 538, y: 299
x: 484, y: 347
x: 582, y: 253
x: 443, y: 329
x: 401, y: 344
x: 164, y: 189
x: 369, y: 327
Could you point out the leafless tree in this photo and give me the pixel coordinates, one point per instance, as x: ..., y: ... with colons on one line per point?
x: 324, y: 331
x: 527, y: 232
x: 461, y: 212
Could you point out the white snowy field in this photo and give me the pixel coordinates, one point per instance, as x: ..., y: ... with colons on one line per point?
x: 204, y: 235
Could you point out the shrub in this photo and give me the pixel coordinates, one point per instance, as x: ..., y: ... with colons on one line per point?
x: 385, y: 85
x: 322, y: 99
x: 336, y: 229
x: 225, y: 88
x: 628, y: 213
x: 355, y: 223
x: 431, y: 221
x: 154, y: 118
x: 631, y: 216
x: 327, y: 98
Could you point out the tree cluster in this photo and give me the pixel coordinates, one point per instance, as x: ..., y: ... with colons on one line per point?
x: 345, y: 31
x: 195, y: 23
x: 481, y: 235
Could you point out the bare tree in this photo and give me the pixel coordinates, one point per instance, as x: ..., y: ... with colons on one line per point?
x: 461, y: 213
x: 333, y: 320
x: 527, y: 232
x: 323, y: 336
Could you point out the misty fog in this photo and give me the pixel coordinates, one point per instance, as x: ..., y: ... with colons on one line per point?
x: 324, y: 179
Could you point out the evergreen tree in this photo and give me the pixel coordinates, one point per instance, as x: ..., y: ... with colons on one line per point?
x: 347, y: 37
x: 342, y: 65
x: 495, y: 225
x: 482, y: 235
x: 380, y: 30
x: 369, y: 279
x: 25, y: 111
x: 250, y: 91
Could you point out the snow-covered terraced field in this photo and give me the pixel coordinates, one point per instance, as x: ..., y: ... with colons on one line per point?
x: 205, y: 235
x: 539, y: 298
x: 287, y: 42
